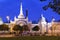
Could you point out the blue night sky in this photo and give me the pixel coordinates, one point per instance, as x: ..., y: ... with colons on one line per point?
x: 12, y: 7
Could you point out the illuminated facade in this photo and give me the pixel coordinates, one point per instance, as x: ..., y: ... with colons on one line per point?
x: 42, y: 24
x: 21, y: 20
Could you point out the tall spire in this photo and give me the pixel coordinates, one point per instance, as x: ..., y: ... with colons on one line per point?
x: 43, y: 18
x: 21, y: 12
x: 26, y: 12
x: 15, y: 18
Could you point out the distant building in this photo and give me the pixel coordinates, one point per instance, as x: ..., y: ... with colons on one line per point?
x: 1, y: 22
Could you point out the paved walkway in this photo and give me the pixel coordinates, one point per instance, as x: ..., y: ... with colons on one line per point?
x: 8, y: 35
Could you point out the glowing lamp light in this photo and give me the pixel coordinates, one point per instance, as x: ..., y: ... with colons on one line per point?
x: 21, y: 24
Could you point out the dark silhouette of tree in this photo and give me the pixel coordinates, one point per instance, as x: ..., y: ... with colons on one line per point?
x: 4, y: 27
x: 54, y: 4
x: 18, y: 29
x: 25, y: 28
x: 36, y: 28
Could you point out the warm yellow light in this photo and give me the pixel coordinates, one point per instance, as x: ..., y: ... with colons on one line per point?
x: 21, y: 24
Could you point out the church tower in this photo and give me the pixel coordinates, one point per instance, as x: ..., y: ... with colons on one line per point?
x: 43, y: 24
x: 21, y: 12
x: 21, y: 20
x: 26, y: 15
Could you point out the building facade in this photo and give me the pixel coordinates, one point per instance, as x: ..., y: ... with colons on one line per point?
x: 42, y: 24
x: 22, y: 20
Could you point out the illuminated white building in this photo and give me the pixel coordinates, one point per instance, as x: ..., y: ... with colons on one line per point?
x: 21, y: 20
x: 42, y: 24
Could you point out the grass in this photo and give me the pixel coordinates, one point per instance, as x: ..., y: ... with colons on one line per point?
x: 33, y: 38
